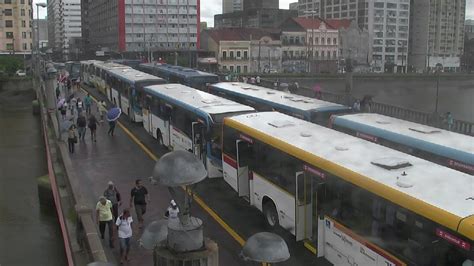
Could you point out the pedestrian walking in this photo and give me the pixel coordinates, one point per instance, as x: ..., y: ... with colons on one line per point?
x: 81, y: 126
x: 93, y: 127
x: 125, y: 232
x: 72, y: 138
x: 88, y: 103
x: 73, y: 104
x: 64, y: 111
x: 356, y: 106
x: 111, y: 193
x: 258, y: 80
x: 104, y: 218
x: 139, y: 198
x: 58, y: 92
x: 449, y: 120
x: 79, y: 105
x: 173, y: 211
x: 111, y: 128
x: 102, y: 109
x: 252, y: 80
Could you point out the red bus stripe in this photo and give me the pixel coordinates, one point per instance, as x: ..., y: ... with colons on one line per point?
x: 230, y: 161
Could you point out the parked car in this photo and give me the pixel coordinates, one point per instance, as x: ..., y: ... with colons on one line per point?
x: 20, y: 73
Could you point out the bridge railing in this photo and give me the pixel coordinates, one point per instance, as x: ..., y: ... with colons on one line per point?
x: 435, y: 120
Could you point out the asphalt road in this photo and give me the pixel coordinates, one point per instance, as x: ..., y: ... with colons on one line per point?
x: 30, y: 233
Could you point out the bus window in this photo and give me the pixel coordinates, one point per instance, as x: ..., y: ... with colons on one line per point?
x: 230, y: 135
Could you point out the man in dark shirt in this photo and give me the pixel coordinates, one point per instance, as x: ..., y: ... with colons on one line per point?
x: 139, y: 198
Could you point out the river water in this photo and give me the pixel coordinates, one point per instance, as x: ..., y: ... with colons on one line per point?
x: 29, y: 231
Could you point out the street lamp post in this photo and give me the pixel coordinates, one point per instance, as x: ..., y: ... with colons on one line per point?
x: 38, y: 5
x: 312, y: 12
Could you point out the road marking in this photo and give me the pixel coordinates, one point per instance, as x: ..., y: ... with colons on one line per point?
x: 310, y: 247
x: 201, y: 203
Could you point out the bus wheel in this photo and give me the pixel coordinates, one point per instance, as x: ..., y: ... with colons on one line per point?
x: 270, y: 213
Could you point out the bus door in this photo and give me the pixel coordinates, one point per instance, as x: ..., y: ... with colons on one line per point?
x: 304, y: 206
x: 197, y: 139
x: 166, y: 134
x: 147, y: 114
x: 244, y: 158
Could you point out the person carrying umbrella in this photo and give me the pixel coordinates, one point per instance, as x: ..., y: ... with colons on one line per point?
x: 112, y: 116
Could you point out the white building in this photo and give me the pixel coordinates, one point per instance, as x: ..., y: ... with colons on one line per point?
x: 387, y: 22
x: 64, y: 25
x: 229, y: 6
x: 437, y: 34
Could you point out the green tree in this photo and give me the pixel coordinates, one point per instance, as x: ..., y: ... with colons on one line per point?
x: 10, y: 64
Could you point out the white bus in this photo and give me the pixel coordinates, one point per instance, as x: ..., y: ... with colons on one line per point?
x: 265, y: 99
x: 353, y: 201
x: 184, y: 118
x: 99, y: 75
x: 87, y: 72
x: 126, y: 90
x: 437, y: 145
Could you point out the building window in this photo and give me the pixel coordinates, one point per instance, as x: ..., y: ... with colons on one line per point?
x: 23, y: 35
x: 231, y: 68
x: 9, y: 35
x: 238, y: 54
x: 323, y: 54
x: 231, y: 54
x: 8, y: 1
x: 246, y: 69
x: 22, y: 2
x: 238, y: 69
x: 224, y: 55
x: 22, y: 12
x: 25, y: 46
x: 8, y: 12
x: 246, y: 55
x: 322, y: 40
x: 9, y: 46
x: 334, y: 54
x: 23, y: 24
x: 334, y: 41
x: 8, y: 23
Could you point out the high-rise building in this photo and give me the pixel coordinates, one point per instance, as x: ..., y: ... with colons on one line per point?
x: 437, y: 34
x: 16, y: 31
x: 42, y: 32
x: 64, y: 26
x: 125, y: 26
x: 294, y: 6
x: 229, y: 6
x: 387, y: 22
x: 261, y: 4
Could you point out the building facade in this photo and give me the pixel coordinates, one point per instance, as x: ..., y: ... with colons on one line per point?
x: 259, y: 4
x: 294, y: 6
x: 437, y: 34
x: 125, y: 26
x: 311, y: 45
x: 387, y: 22
x: 64, y: 26
x: 469, y: 29
x: 254, y: 18
x: 16, y: 31
x: 229, y: 6
x: 43, y: 32
x: 244, y: 50
x: 353, y: 47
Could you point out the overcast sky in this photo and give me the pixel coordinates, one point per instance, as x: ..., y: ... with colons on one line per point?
x: 211, y: 7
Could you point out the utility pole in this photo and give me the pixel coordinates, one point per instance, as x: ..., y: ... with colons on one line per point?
x: 259, y: 50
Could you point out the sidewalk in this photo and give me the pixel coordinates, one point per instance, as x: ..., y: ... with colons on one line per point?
x: 122, y: 161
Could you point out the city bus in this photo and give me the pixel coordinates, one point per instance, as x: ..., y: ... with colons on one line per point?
x: 74, y: 70
x: 176, y: 74
x: 351, y: 201
x: 86, y: 71
x: 126, y: 90
x: 133, y: 63
x: 99, y: 75
x: 440, y: 146
x: 184, y: 118
x: 265, y: 99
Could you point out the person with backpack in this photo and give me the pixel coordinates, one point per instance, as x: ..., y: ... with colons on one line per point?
x: 93, y: 127
x: 111, y: 193
x: 125, y: 232
x: 81, y: 126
